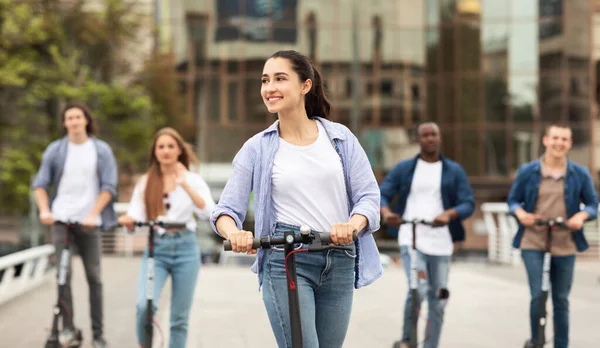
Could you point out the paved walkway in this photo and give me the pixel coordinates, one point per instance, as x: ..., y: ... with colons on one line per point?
x: 488, y: 309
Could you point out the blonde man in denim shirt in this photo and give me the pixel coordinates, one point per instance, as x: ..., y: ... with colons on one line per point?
x: 547, y: 188
x: 83, y: 173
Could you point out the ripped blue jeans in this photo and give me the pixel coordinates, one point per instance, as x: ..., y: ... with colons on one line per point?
x: 435, y: 277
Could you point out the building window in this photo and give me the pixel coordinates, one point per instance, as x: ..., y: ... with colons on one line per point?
x: 311, y: 28
x: 197, y: 27
x: 415, y: 92
x: 387, y: 87
x: 377, y: 36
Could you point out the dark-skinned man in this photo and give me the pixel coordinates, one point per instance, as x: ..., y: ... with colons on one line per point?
x: 434, y: 188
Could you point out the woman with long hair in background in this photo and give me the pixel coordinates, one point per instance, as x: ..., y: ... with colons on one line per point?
x: 171, y: 192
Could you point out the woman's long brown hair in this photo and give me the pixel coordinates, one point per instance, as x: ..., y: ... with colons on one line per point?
x: 154, y: 193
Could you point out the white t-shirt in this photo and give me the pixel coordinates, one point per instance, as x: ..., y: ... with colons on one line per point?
x: 308, y: 184
x: 182, y: 208
x: 425, y: 202
x: 79, y: 186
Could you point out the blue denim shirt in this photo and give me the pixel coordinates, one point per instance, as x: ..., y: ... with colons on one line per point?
x: 579, y: 188
x: 53, y: 163
x: 455, y: 187
x: 252, y: 170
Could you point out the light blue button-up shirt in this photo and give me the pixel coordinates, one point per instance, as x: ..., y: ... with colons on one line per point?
x: 53, y: 163
x: 252, y: 171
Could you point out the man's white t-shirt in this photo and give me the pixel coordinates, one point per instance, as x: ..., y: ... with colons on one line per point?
x: 425, y: 202
x: 308, y: 184
x: 79, y: 186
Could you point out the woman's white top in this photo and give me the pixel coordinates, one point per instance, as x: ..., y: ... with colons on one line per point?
x: 308, y: 184
x: 180, y: 204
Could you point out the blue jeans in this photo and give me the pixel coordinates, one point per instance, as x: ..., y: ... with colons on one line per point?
x: 176, y: 254
x: 325, y: 290
x: 436, y: 269
x: 561, y: 278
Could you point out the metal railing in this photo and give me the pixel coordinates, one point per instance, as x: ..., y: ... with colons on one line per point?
x: 502, y: 227
x: 23, y: 271
x: 119, y: 240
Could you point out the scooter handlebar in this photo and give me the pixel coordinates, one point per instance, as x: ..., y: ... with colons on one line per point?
x: 228, y: 247
x: 152, y: 223
x: 556, y: 222
x: 421, y: 222
x: 267, y: 242
x: 66, y: 223
x: 163, y: 224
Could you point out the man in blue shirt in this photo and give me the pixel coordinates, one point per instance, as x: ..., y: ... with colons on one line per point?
x: 434, y: 188
x: 547, y: 188
x: 82, y: 172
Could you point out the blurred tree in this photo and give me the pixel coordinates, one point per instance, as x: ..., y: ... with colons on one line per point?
x: 52, y: 52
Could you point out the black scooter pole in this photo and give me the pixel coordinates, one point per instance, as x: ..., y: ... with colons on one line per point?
x: 150, y: 287
x: 293, y: 299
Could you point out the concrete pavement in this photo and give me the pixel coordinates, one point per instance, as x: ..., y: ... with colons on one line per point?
x: 488, y: 309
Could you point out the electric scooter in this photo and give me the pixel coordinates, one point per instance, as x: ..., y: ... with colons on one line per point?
x: 65, y: 337
x: 540, y: 340
x: 413, y: 282
x: 316, y: 242
x: 152, y: 225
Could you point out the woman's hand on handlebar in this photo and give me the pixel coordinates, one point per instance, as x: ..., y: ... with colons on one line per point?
x: 341, y: 233
x: 127, y: 221
x: 241, y: 242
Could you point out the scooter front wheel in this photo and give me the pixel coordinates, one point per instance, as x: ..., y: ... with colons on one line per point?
x: 400, y: 344
x: 528, y: 344
x: 76, y: 343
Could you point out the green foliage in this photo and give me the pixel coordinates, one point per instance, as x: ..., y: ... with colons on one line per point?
x: 56, y: 54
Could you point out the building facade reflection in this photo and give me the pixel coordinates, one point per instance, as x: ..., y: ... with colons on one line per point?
x: 492, y: 73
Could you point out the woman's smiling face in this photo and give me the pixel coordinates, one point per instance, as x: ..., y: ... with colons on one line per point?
x: 281, y: 88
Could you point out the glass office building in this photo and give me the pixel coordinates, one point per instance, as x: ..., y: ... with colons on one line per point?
x: 491, y: 73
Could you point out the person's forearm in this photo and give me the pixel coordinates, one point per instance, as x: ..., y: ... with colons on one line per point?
x: 519, y: 212
x: 101, y: 202
x: 385, y: 211
x: 359, y: 222
x: 452, y: 213
x: 41, y: 199
x: 583, y: 215
x: 198, y: 201
x: 226, y: 225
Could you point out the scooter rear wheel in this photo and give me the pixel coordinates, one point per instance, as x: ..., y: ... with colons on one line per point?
x: 52, y: 343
